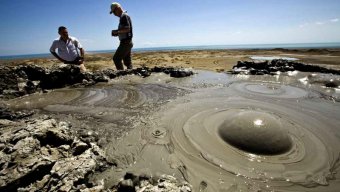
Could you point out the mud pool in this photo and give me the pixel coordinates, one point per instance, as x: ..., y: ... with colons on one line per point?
x: 220, y: 132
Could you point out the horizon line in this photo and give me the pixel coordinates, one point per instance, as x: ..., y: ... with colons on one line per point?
x: 212, y: 45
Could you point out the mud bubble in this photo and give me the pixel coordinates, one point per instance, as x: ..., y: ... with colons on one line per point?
x: 255, y: 132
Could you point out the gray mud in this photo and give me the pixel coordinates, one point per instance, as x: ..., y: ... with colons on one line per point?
x: 219, y: 132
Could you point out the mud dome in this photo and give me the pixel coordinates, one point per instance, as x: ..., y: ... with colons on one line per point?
x: 255, y: 132
x: 218, y: 131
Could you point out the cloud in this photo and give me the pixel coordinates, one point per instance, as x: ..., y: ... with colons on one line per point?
x: 334, y: 20
x: 325, y: 22
x: 304, y: 25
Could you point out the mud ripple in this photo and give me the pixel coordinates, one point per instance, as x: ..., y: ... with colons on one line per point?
x: 109, y: 110
x: 270, y: 89
x: 114, y: 96
x: 256, y: 145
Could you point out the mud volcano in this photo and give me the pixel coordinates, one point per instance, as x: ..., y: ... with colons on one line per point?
x: 255, y: 132
x: 220, y: 132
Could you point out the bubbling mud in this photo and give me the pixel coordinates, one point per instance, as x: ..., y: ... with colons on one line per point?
x: 264, y: 145
x: 217, y: 131
x: 255, y: 132
x: 108, y: 109
x: 270, y: 89
x: 109, y: 96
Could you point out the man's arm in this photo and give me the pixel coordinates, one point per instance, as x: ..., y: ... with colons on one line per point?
x: 81, y: 50
x: 126, y: 29
x: 120, y: 31
x: 52, y: 50
x: 57, y: 56
x: 82, y: 54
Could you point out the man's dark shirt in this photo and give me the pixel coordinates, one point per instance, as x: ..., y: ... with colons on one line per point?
x: 125, y: 22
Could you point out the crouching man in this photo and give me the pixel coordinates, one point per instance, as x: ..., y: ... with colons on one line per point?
x: 67, y: 49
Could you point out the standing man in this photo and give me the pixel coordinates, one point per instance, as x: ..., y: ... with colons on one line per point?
x: 124, y: 32
x: 68, y: 49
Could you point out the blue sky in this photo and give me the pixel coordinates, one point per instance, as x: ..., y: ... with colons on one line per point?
x: 29, y: 26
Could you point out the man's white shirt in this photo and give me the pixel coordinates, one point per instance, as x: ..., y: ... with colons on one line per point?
x: 67, y: 51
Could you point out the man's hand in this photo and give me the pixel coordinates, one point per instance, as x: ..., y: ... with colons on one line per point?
x: 57, y: 56
x: 81, y: 61
x: 114, y: 33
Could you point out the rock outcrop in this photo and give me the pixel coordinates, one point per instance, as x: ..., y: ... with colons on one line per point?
x: 145, y: 183
x: 273, y: 66
x: 5, y: 113
x: 43, y: 155
x: 27, y: 79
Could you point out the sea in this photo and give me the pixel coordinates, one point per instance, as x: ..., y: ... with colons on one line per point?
x: 199, y: 47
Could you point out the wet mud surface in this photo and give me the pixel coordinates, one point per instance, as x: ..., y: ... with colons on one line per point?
x: 218, y: 131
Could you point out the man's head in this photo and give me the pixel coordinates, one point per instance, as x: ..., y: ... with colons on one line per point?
x: 116, y: 9
x: 63, y: 32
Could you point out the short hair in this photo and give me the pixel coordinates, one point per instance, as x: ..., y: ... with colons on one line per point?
x: 61, y: 28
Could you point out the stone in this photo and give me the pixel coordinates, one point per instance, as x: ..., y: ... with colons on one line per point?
x: 21, y: 80
x: 126, y: 186
x: 260, y: 68
x: 43, y: 155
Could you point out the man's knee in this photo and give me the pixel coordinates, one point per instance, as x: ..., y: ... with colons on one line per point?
x: 116, y: 58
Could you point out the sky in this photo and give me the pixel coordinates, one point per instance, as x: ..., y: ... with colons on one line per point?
x: 30, y: 26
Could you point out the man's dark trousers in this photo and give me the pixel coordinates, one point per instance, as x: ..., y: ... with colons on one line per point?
x: 123, y: 52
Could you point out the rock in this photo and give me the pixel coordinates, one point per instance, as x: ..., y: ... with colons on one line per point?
x: 144, y: 72
x: 126, y: 186
x: 30, y: 87
x: 31, y: 72
x: 157, y: 69
x: 100, y: 77
x: 79, y: 148
x: 43, y: 155
x: 260, y: 68
x: 163, y: 183
x: 178, y: 73
x: 5, y: 113
x: 332, y: 84
x: 21, y: 80
x: 8, y: 80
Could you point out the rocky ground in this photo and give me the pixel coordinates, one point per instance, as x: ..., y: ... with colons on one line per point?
x: 42, y: 154
x: 277, y: 65
x: 26, y: 79
x: 215, y: 60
